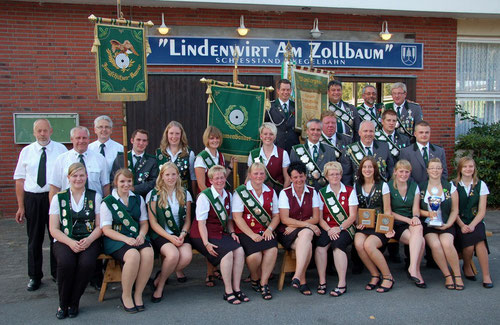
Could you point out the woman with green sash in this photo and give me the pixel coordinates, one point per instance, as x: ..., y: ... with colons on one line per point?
x: 74, y: 224
x: 124, y: 222
x: 338, y: 211
x: 206, y: 159
x: 440, y: 238
x: 170, y: 220
x: 405, y: 207
x: 471, y: 231
x: 174, y: 147
x: 373, y: 193
x: 256, y: 214
x: 275, y: 159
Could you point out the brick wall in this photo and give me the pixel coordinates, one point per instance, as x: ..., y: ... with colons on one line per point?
x: 46, y: 64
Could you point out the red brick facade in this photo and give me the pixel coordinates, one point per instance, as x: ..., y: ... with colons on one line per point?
x: 46, y: 64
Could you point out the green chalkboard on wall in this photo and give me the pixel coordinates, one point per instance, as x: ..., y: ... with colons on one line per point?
x: 61, y: 123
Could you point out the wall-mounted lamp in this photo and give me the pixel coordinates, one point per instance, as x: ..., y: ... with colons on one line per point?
x: 242, y: 30
x: 384, y: 34
x: 315, y: 32
x: 163, y: 29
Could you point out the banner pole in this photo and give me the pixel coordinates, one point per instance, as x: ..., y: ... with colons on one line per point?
x: 124, y: 131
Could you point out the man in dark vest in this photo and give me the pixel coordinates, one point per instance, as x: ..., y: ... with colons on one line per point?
x: 143, y: 165
x: 282, y: 114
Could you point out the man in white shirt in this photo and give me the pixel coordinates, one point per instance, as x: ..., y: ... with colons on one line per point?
x: 421, y: 152
x: 103, y: 128
x: 95, y: 163
x: 32, y: 191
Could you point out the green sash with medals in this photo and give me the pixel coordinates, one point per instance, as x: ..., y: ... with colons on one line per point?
x: 305, y: 156
x: 138, y: 166
x: 255, y: 154
x: 218, y: 206
x: 366, y: 115
x: 344, y: 117
x: 164, y: 216
x: 393, y: 147
x: 324, y: 139
x: 406, y: 126
x: 209, y: 162
x: 121, y: 217
x: 83, y: 229
x: 336, y: 209
x: 356, y: 154
x: 253, y: 205
x: 182, y: 164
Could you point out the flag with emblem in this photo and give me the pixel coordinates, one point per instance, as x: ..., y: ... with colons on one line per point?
x: 120, y: 62
x: 237, y: 112
x: 311, y: 98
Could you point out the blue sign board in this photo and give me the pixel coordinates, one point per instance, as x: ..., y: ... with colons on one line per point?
x: 270, y: 53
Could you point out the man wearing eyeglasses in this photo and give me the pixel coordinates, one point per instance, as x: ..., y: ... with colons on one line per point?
x: 103, y: 128
x: 421, y: 152
x: 408, y: 113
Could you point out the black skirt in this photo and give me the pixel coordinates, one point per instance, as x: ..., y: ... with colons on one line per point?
x: 250, y: 247
x: 434, y: 230
x: 287, y: 240
x: 160, y: 241
x: 371, y: 232
x: 118, y: 254
x: 399, y: 229
x: 471, y: 239
x: 224, y: 245
x: 341, y: 243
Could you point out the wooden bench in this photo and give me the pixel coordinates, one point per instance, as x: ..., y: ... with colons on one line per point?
x: 112, y: 274
x: 287, y: 266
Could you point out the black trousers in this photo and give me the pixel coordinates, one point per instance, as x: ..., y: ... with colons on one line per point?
x: 74, y: 271
x: 36, y: 206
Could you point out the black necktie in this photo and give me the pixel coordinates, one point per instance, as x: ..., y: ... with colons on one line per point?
x: 315, y: 153
x: 425, y: 155
x: 102, y: 149
x: 285, y: 109
x: 137, y: 160
x: 399, y: 111
x: 83, y: 163
x: 369, y: 151
x: 42, y: 169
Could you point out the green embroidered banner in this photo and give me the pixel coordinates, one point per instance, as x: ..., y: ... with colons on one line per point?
x: 120, y: 62
x: 311, y: 96
x: 237, y: 113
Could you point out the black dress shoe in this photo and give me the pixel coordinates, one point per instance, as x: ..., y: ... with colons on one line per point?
x: 131, y: 310
x: 155, y: 299
x: 33, y: 285
x: 140, y: 308
x: 62, y: 313
x: 72, y: 312
x: 488, y: 285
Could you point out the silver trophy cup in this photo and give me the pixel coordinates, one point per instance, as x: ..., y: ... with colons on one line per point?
x: 434, y: 203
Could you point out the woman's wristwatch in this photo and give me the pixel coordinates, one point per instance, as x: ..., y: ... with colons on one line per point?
x: 341, y: 228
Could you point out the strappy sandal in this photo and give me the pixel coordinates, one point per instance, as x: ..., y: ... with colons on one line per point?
x: 217, y: 275
x: 459, y: 287
x: 449, y: 286
x: 266, y: 293
x: 209, y: 281
x: 370, y: 286
x: 337, y: 293
x: 255, y: 285
x: 304, y: 289
x: 295, y: 283
x: 321, y: 289
x: 231, y: 298
x: 241, y: 296
x: 385, y: 289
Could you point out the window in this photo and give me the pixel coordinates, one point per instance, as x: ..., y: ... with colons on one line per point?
x: 478, y: 81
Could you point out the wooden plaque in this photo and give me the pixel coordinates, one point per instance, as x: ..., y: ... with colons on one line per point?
x: 385, y: 223
x: 366, y: 217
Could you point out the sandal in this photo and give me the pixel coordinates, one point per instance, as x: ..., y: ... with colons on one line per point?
x: 217, y: 275
x: 321, y: 289
x: 241, y: 296
x: 304, y: 289
x: 459, y: 287
x: 255, y: 285
x: 337, y: 293
x: 295, y: 283
x: 231, y: 299
x: 385, y: 289
x: 266, y: 293
x: 449, y: 286
x: 371, y: 286
x: 209, y: 281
